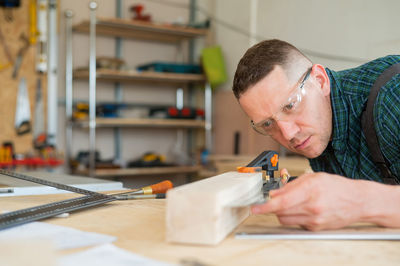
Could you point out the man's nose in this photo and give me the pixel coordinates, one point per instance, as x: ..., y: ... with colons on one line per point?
x: 288, y: 129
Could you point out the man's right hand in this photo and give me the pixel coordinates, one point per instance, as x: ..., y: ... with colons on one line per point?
x: 319, y: 201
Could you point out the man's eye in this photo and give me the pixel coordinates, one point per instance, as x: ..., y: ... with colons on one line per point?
x: 289, y: 106
x: 267, y: 124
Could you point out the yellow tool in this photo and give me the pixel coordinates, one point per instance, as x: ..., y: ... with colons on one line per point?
x: 6, y: 51
x: 33, y: 32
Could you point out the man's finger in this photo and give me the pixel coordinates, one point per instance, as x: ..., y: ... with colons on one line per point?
x: 295, y: 185
x: 294, y: 219
x: 281, y: 202
x: 284, y: 174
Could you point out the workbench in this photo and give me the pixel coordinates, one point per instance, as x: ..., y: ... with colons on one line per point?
x: 139, y: 226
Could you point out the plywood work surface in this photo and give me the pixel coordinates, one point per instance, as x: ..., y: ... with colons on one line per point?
x: 140, y: 228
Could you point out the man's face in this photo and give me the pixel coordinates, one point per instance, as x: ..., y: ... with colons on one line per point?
x: 307, y: 129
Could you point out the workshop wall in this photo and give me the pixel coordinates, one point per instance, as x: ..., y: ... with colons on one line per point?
x: 338, y: 34
x: 12, y: 30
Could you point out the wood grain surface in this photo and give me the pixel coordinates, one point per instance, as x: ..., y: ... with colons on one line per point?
x: 140, y: 228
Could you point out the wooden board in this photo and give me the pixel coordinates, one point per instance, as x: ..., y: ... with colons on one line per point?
x: 205, y: 212
x: 141, y: 30
x: 9, y: 86
x: 144, y: 122
x: 139, y: 226
x: 112, y: 75
x: 125, y: 172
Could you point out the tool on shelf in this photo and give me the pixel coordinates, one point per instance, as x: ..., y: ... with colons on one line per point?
x: 173, y: 112
x: 149, y: 159
x: 138, y: 15
x: 39, y: 133
x: 6, y: 52
x: 214, y: 65
x: 41, y: 53
x: 90, y: 199
x: 169, y: 67
x: 20, y: 55
x: 8, y: 6
x: 33, y: 32
x: 6, y: 153
x: 23, y: 111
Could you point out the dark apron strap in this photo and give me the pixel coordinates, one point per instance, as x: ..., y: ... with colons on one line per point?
x: 367, y: 124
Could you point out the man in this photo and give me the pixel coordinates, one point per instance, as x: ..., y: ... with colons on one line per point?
x: 314, y: 111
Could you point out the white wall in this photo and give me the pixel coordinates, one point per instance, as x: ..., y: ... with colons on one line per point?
x: 359, y: 30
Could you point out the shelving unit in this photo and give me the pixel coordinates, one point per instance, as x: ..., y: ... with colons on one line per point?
x: 140, y: 30
x: 144, y: 122
x: 109, y: 75
x: 144, y: 171
x: 121, y: 28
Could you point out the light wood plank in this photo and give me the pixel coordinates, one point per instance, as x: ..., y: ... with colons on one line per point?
x: 141, y: 30
x: 205, y: 212
x: 111, y: 75
x: 139, y: 226
x: 142, y: 122
x: 144, y: 171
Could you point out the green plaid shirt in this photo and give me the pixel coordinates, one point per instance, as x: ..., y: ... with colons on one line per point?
x: 347, y: 154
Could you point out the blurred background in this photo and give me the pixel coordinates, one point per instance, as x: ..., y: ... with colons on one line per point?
x: 163, y: 103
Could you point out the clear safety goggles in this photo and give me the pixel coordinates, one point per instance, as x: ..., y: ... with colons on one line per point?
x: 293, y: 105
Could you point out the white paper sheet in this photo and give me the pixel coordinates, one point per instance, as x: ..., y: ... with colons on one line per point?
x: 107, y: 255
x: 62, y: 237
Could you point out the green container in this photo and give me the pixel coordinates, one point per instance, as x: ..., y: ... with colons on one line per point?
x: 214, y: 65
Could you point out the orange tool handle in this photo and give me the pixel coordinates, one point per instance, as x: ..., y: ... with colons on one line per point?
x: 161, y: 187
x: 246, y: 169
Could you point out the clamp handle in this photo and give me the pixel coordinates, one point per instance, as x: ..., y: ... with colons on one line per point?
x: 268, y: 161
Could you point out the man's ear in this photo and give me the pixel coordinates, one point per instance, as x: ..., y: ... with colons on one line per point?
x: 322, y: 78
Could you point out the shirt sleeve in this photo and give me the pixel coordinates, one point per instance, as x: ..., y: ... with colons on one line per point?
x: 387, y: 121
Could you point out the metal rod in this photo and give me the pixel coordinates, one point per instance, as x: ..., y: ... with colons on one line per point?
x: 179, y: 98
x: 68, y: 86
x: 92, y: 89
x: 118, y: 89
x: 208, y: 116
x: 52, y: 76
x: 192, y: 20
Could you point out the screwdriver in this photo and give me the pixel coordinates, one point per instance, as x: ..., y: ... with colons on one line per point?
x: 129, y: 196
x: 148, y: 191
x: 161, y: 187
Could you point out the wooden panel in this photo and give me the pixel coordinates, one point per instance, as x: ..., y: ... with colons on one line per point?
x: 140, y: 30
x: 202, y: 212
x: 145, y: 77
x: 143, y: 171
x: 230, y: 118
x: 139, y: 226
x: 141, y: 122
x: 12, y: 31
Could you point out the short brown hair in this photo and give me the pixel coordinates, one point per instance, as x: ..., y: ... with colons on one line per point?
x: 259, y: 61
